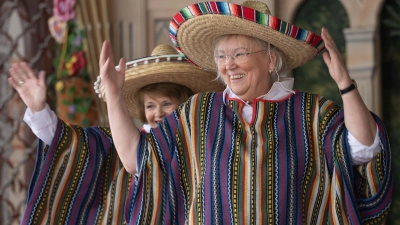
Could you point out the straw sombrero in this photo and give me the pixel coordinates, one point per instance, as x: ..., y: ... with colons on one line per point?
x: 164, y: 65
x: 194, y: 28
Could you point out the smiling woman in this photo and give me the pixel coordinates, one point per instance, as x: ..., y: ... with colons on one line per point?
x: 155, y: 101
x: 156, y: 107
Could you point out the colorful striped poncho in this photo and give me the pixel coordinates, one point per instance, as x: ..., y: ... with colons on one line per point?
x: 206, y: 165
x: 78, y: 179
x: 290, y: 165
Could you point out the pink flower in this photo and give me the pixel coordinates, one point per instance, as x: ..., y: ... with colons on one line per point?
x: 64, y: 9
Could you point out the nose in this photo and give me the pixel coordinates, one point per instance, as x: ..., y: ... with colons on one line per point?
x: 160, y: 112
x: 230, y: 63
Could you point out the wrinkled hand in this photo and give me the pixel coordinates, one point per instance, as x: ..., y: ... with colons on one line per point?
x: 334, y: 61
x: 31, y: 88
x: 111, y: 79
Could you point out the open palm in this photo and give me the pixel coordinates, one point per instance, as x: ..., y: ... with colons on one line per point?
x: 334, y: 60
x: 111, y: 78
x: 31, y: 88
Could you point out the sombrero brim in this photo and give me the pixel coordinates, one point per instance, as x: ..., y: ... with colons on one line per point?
x: 195, y: 27
x: 182, y: 73
x: 179, y: 72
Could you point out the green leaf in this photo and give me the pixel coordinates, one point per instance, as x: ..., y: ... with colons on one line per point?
x: 394, y: 33
x: 51, y: 79
x: 71, y: 116
x: 393, y: 12
x: 83, y: 33
x: 85, y: 110
x: 78, y: 109
x: 391, y: 23
x: 88, y: 100
x: 77, y: 101
x: 65, y: 102
x: 85, y: 122
x: 64, y: 73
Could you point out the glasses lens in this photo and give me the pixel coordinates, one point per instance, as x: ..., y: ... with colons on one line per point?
x: 220, y: 60
x: 240, y: 57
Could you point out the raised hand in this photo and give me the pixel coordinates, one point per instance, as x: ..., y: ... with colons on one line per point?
x: 334, y: 61
x: 125, y: 134
x: 111, y: 79
x: 31, y: 88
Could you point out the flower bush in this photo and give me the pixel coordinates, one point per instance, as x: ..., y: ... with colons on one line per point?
x: 71, y: 79
x: 70, y: 58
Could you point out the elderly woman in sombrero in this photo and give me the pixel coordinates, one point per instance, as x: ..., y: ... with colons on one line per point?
x: 258, y: 152
x: 78, y: 177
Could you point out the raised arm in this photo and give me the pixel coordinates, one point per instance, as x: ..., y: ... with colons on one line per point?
x: 124, y: 132
x: 358, y: 119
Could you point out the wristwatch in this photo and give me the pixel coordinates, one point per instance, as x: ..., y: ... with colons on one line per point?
x: 348, y: 89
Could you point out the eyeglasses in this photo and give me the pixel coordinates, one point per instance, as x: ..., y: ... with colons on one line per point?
x: 239, y: 58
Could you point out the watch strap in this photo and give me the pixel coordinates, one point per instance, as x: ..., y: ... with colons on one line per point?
x: 348, y: 89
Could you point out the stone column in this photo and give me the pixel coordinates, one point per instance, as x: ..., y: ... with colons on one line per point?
x: 362, y: 64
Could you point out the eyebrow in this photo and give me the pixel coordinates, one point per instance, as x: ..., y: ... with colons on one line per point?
x: 151, y: 102
x: 234, y: 50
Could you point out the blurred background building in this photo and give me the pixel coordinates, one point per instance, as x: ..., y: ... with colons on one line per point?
x: 66, y: 43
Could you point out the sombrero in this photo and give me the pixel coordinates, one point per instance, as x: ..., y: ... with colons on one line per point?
x: 194, y: 28
x: 164, y: 65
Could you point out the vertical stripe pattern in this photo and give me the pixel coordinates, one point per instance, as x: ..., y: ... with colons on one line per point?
x: 289, y: 165
x: 78, y: 179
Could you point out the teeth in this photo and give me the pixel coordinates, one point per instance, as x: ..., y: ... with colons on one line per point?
x: 237, y: 76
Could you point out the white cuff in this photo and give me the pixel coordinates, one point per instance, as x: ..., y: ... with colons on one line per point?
x: 360, y: 153
x: 42, y: 123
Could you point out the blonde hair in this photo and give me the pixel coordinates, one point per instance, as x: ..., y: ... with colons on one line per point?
x: 170, y: 90
x: 280, y: 66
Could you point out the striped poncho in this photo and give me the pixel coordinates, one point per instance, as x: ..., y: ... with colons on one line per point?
x: 290, y: 165
x: 206, y: 165
x: 78, y: 179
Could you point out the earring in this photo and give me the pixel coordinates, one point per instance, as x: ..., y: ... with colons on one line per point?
x: 270, y: 71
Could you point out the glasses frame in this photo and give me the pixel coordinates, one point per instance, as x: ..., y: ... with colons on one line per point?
x: 233, y: 57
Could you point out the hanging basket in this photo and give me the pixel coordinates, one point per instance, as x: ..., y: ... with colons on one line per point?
x: 75, y: 103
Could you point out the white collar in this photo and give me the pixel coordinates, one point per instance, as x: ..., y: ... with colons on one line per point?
x: 146, y: 127
x: 279, y: 90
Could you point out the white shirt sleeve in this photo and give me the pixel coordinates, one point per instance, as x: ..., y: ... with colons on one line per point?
x: 43, y: 123
x: 361, y: 153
